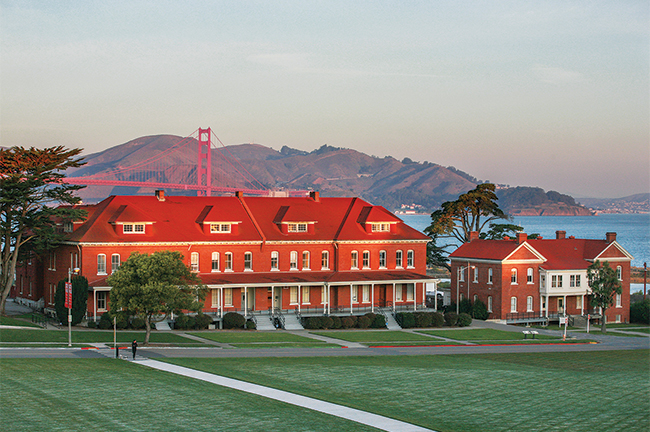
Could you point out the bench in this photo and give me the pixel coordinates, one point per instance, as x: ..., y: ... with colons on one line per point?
x: 529, y: 332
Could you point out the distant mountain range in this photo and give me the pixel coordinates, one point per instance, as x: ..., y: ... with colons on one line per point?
x: 638, y: 203
x: 398, y: 185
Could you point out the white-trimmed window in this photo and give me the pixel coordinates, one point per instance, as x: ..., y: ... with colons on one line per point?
x: 215, y: 298
x: 194, y: 261
x: 579, y: 302
x: 133, y: 228
x: 410, y: 292
x: 382, y: 259
x: 461, y: 274
x: 52, y: 261
x: 305, y: 295
x: 215, y: 262
x: 115, y: 263
x: 297, y: 227
x: 101, y: 264
x: 619, y: 300
x: 619, y: 272
x: 490, y: 275
x: 475, y: 274
x: 398, y: 259
x: 529, y: 275
x: 228, y: 263
x: 513, y: 276
x: 410, y: 259
x: 323, y: 295
x: 248, y: 261
x: 306, y: 264
x: 556, y: 281
x: 529, y: 304
x: 618, y: 318
x: 513, y: 304
x: 227, y: 296
x: 380, y: 227
x: 355, y: 294
x: 220, y: 227
x: 366, y: 294
x: 398, y: 292
x: 101, y: 301
x: 274, y: 260
x: 325, y: 260
x: 475, y: 298
x: 68, y: 227
x: 293, y: 262
x: 293, y: 295
x: 366, y: 259
x: 354, y: 260
x: 489, y: 305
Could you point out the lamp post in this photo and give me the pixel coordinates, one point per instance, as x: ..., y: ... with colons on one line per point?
x: 68, y: 302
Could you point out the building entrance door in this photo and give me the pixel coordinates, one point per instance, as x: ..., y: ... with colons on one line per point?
x: 277, y: 298
x: 560, y: 305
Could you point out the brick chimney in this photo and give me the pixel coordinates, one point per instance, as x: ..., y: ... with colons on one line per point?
x: 160, y: 194
x: 610, y: 237
x: 315, y: 195
x: 559, y: 235
x: 521, y: 237
x: 473, y: 235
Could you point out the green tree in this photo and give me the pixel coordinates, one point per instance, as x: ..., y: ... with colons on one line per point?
x: 604, y: 284
x: 30, y: 185
x: 153, y: 286
x: 472, y: 211
x: 79, y: 300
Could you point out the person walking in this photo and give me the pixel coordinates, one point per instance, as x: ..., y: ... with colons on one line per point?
x: 134, y: 347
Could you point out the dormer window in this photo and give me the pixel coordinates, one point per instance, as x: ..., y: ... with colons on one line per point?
x: 380, y: 227
x: 220, y: 227
x: 67, y: 227
x: 133, y: 228
x: 297, y: 227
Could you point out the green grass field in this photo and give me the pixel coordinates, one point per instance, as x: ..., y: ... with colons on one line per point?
x: 12, y: 321
x: 485, y: 335
x: 375, y: 336
x: 112, y: 395
x: 90, y: 336
x: 250, y: 337
x: 605, y: 390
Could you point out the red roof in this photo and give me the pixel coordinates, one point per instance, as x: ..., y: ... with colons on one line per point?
x: 181, y: 219
x: 558, y: 254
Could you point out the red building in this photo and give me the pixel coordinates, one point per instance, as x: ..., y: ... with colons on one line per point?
x: 531, y: 280
x: 310, y: 255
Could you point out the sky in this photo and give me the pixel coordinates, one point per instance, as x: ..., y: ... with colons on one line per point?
x: 553, y: 94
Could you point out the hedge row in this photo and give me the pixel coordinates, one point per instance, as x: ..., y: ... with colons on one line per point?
x: 640, y: 312
x: 369, y: 320
x: 432, y: 319
x: 122, y: 321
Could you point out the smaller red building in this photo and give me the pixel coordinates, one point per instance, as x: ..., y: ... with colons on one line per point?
x: 532, y: 280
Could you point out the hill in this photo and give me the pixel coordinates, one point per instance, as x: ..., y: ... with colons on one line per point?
x: 638, y: 203
x: 333, y: 171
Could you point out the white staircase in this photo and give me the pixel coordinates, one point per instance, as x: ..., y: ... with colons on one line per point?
x: 391, y: 324
x: 291, y: 322
x: 264, y: 322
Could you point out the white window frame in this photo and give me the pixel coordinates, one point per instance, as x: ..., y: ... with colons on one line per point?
x: 461, y: 274
x: 529, y: 304
x: 529, y: 275
x: 513, y: 277
x: 489, y: 304
x: 365, y: 297
x: 513, y: 304
x: 354, y: 260
x: 248, y: 261
x: 115, y: 263
x: 216, y: 265
x: 305, y: 295
x: 410, y: 292
x: 133, y: 228
x: 293, y: 295
x: 227, y: 297
x: 490, y: 275
x: 215, y: 298
x: 293, y: 260
x: 101, y: 264
x: 194, y: 262
x: 399, y: 292
x: 355, y: 293
x: 218, y: 227
x: 399, y: 259
x: 619, y: 273
x: 380, y: 227
x: 382, y: 259
x: 275, y: 261
x: 410, y: 259
x: 325, y: 260
x: 101, y: 301
x: 306, y: 260
x: 323, y: 295
x: 619, y: 300
x: 365, y: 259
x: 228, y: 264
x: 475, y: 275
x: 299, y: 227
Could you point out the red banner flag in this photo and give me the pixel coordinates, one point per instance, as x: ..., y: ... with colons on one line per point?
x: 68, y: 295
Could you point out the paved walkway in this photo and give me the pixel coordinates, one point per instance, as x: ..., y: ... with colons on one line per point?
x: 363, y: 417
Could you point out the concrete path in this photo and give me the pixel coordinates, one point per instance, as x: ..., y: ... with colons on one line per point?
x: 366, y: 418
x: 327, y: 339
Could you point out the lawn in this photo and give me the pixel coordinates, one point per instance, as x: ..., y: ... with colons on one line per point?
x: 90, y: 336
x: 312, y: 344
x: 484, y: 334
x: 9, y: 321
x: 250, y: 336
x: 490, y: 392
x: 109, y: 394
x: 375, y: 336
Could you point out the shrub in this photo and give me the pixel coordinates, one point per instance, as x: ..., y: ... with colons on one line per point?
x: 347, y: 322
x: 464, y: 320
x: 479, y: 310
x: 379, y: 321
x: 405, y: 319
x: 640, y: 312
x: 423, y: 319
x: 92, y: 324
x: 181, y: 322
x: 311, y: 323
x: 451, y: 318
x: 203, y: 321
x: 364, y: 322
x: 191, y: 322
x: 336, y: 322
x: 137, y: 323
x: 105, y: 322
x: 326, y: 322
x: 354, y: 319
x: 465, y: 306
x: 233, y: 320
x: 438, y: 319
x: 250, y: 325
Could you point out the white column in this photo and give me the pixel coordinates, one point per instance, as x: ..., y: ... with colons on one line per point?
x: 372, y: 297
x: 245, y: 301
x: 582, y: 304
x: 329, y: 305
x: 393, y: 296
x: 221, y: 302
x: 299, y: 297
x: 351, y: 285
x: 94, y: 304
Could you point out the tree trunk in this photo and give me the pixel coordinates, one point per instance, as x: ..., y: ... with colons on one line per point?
x: 603, y: 323
x: 147, y: 324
